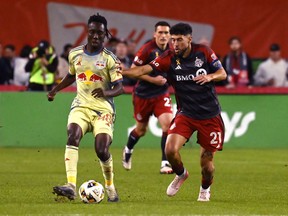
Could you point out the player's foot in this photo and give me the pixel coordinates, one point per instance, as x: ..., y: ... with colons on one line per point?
x: 67, y: 190
x: 112, y: 193
x: 204, y: 195
x: 166, y: 169
x: 176, y: 183
x: 127, y: 159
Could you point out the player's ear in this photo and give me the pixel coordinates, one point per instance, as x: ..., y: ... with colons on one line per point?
x: 190, y: 38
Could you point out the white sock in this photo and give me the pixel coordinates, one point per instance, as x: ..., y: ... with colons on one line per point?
x: 164, y: 162
x: 128, y: 151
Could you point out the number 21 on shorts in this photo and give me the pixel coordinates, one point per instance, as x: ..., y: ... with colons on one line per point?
x: 216, y: 138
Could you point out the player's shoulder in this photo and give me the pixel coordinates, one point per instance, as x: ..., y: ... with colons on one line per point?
x: 77, y: 49
x: 148, y: 46
x: 109, y: 54
x: 200, y: 47
x: 167, y: 53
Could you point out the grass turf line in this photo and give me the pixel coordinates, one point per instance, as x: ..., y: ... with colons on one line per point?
x: 247, y: 182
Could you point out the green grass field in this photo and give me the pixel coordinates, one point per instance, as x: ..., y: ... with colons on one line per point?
x: 247, y: 182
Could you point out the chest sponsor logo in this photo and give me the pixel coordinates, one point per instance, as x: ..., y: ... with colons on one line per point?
x: 88, y: 77
x: 189, y: 77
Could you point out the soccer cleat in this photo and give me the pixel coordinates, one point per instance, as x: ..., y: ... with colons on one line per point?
x: 166, y: 169
x: 176, y: 184
x: 127, y: 160
x: 112, y: 193
x: 204, y: 195
x: 67, y: 190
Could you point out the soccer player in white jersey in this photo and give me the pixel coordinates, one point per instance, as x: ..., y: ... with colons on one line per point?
x: 94, y: 69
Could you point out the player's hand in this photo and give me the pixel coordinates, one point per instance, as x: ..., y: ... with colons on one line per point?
x: 119, y: 67
x: 202, y: 79
x: 51, y: 95
x: 98, y: 92
x: 159, y: 80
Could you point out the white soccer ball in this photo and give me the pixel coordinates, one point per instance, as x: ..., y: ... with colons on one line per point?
x: 91, y: 192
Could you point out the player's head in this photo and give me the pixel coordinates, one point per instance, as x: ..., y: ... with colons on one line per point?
x: 161, y: 33
x: 97, y: 30
x: 181, y: 37
x: 235, y: 43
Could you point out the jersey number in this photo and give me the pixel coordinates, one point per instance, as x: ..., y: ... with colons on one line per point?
x: 167, y: 102
x: 216, y: 138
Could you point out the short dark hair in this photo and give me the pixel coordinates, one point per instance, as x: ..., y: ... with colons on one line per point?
x: 100, y: 19
x: 181, y: 29
x: 234, y: 38
x: 161, y: 23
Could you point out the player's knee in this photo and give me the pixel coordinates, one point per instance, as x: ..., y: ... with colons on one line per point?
x: 102, y: 153
x: 170, y: 150
x: 141, y: 131
x: 73, y: 139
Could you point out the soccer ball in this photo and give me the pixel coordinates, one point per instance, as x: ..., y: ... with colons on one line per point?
x: 91, y: 192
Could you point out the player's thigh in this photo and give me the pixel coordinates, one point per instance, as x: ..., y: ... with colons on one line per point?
x: 174, y: 143
x: 165, y: 120
x: 181, y: 125
x: 211, y: 133
x: 143, y: 108
x: 103, y: 124
x: 80, y: 117
x: 162, y: 104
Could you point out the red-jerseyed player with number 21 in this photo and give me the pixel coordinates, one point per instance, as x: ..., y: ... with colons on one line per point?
x: 192, y: 70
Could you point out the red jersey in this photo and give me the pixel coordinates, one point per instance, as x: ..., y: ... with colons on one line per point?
x: 193, y: 100
x: 146, y: 54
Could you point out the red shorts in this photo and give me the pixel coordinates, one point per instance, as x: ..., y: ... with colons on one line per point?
x: 210, y: 131
x: 145, y: 107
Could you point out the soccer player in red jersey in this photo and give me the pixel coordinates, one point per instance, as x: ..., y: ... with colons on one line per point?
x: 192, y: 70
x: 151, y: 96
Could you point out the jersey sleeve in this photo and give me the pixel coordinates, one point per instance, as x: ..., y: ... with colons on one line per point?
x: 212, y: 59
x: 71, y: 60
x: 141, y: 56
x: 161, y: 63
x: 115, y: 76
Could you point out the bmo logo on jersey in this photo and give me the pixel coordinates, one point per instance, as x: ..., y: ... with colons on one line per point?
x: 189, y: 77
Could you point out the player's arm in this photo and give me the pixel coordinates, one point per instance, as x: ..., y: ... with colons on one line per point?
x: 158, y: 80
x: 217, y: 76
x: 137, y: 71
x: 65, y: 82
x: 115, y: 91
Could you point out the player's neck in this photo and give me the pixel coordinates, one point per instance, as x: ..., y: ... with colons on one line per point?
x: 93, y: 50
x: 187, y: 52
x: 162, y: 46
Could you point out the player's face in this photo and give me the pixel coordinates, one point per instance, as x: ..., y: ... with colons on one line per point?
x: 181, y: 43
x: 162, y: 35
x: 96, y: 35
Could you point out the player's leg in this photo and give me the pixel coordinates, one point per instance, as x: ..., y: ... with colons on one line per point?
x: 134, y: 136
x: 207, y: 171
x: 102, y: 143
x: 142, y: 112
x: 173, y: 146
x: 210, y: 137
x: 164, y: 121
x: 103, y: 132
x: 75, y: 133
